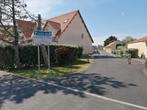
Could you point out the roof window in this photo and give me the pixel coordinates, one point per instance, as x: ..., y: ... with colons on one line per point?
x: 65, y: 21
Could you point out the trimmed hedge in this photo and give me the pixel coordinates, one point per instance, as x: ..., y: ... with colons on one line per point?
x: 59, y: 55
x: 133, y: 52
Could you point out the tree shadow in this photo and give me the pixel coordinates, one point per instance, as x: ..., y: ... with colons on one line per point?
x: 92, y: 82
x: 18, y: 89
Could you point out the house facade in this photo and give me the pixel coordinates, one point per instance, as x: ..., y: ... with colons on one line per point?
x: 67, y: 29
x: 141, y: 45
x: 112, y: 46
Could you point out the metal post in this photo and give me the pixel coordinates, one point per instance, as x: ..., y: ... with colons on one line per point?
x: 38, y: 57
x: 49, y: 66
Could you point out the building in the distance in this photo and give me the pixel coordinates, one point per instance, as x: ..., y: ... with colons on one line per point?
x: 141, y: 45
x: 68, y: 29
x: 112, y: 46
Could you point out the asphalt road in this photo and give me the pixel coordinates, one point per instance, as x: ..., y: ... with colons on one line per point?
x: 24, y: 94
x: 111, y: 78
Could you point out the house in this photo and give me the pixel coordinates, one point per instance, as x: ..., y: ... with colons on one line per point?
x: 67, y: 29
x: 141, y: 45
x: 112, y: 46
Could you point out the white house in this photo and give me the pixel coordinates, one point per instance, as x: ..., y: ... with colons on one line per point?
x: 112, y: 46
x: 68, y: 29
x: 141, y: 45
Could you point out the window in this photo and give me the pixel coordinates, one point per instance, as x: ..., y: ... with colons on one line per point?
x: 82, y: 36
x: 65, y: 21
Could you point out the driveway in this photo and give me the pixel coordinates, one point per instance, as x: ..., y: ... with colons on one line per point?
x: 25, y: 94
x: 112, y: 78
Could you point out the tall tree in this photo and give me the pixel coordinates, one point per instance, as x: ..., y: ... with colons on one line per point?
x: 127, y: 40
x: 110, y: 40
x: 10, y: 11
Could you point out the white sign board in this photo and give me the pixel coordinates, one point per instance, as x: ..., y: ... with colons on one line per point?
x: 41, y: 37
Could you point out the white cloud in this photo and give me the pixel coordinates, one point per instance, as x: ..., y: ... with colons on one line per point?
x: 42, y: 7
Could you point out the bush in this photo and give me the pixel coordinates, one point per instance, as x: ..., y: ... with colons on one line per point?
x: 133, y: 52
x: 80, y: 52
x: 64, y: 55
x: 59, y: 55
x: 6, y: 57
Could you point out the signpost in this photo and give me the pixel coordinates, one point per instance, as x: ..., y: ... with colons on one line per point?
x: 42, y: 37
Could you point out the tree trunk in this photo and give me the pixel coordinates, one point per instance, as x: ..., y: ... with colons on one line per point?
x: 16, y: 35
x: 16, y: 57
x: 44, y: 54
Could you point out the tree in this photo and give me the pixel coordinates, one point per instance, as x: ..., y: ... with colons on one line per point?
x: 127, y: 40
x: 10, y: 11
x: 110, y: 40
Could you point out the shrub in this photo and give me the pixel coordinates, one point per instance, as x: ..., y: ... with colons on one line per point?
x: 133, y: 52
x: 80, y: 52
x: 64, y: 55
x: 59, y: 55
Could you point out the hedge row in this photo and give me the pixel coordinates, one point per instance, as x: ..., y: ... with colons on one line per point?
x: 60, y: 55
x: 133, y: 52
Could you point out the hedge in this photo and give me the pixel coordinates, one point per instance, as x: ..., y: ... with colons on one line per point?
x: 133, y: 52
x: 60, y: 55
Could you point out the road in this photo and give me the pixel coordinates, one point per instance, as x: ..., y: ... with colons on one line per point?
x: 111, y: 78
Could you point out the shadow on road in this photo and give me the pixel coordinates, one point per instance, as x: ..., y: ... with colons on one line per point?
x: 103, y: 57
x: 18, y: 89
x: 92, y: 82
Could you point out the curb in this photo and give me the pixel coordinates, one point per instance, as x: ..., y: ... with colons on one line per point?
x: 84, y: 69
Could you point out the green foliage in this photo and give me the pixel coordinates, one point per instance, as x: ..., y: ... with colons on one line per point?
x: 146, y: 63
x: 60, y: 55
x: 133, y: 52
x: 110, y: 40
x: 80, y: 52
x: 6, y: 57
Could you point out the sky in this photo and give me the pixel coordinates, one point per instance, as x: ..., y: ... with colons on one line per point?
x: 103, y: 18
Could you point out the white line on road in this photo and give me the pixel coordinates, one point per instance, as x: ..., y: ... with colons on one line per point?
x: 90, y: 94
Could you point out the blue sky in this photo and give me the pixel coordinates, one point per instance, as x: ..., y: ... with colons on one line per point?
x: 103, y: 17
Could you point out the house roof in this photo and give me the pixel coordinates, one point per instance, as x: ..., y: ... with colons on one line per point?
x: 66, y: 19
x: 144, y: 39
x: 26, y: 27
x: 60, y: 22
x: 111, y: 44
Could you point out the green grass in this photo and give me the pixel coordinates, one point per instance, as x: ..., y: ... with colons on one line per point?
x: 56, y: 71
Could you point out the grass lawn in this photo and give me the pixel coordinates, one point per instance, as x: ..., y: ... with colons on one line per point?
x: 78, y: 65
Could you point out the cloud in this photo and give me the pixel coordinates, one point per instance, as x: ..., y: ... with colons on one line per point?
x: 42, y: 6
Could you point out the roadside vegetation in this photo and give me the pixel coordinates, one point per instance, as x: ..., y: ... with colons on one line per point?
x: 64, y: 60
x: 44, y: 73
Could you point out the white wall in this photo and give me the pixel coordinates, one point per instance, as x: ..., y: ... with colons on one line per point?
x: 141, y: 46
x: 72, y: 35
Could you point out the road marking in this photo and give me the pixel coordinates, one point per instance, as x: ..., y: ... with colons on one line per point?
x: 89, y: 94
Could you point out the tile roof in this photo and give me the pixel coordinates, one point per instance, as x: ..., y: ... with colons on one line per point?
x: 66, y: 19
x: 144, y: 39
x: 60, y: 22
x: 26, y: 27
x: 113, y: 43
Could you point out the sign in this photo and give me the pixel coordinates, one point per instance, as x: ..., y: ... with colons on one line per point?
x: 41, y: 37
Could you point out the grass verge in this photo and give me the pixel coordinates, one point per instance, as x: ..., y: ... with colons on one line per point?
x: 44, y: 73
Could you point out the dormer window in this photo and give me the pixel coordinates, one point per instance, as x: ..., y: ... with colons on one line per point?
x: 65, y: 21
